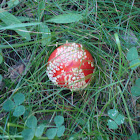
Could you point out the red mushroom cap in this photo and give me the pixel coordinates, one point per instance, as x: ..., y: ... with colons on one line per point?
x: 70, y: 66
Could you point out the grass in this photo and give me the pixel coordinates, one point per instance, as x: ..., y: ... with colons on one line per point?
x: 108, y: 30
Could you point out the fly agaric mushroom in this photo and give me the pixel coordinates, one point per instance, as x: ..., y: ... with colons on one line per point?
x: 70, y: 66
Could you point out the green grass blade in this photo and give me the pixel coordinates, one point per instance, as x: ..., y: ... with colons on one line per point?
x: 10, y: 19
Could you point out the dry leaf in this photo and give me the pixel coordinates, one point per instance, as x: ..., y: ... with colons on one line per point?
x: 16, y: 71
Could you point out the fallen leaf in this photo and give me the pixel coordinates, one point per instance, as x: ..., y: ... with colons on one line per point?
x: 18, y: 70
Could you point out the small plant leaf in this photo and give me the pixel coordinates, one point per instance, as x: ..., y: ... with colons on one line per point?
x: 19, y: 110
x: 31, y: 122
x: 28, y: 134
x: 132, y: 54
x: 51, y: 133
x: 15, y: 26
x: 135, y: 90
x: 59, y: 120
x: 10, y: 19
x: 27, y: 113
x: 46, y: 34
x: 19, y: 98
x: 1, y: 59
x: 40, y: 10
x: 119, y: 119
x: 39, y: 130
x: 60, y: 131
x: 134, y: 64
x: 1, y: 78
x: 112, y: 113
x: 112, y: 124
x: 23, y: 18
x: 12, y: 3
x: 138, y: 82
x: 8, y: 105
x: 66, y: 18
